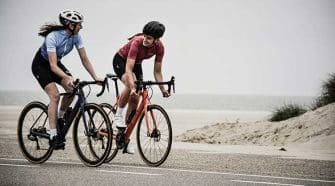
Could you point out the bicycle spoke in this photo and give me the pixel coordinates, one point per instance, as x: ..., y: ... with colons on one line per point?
x: 34, y: 118
x: 154, y: 142
x: 91, y: 145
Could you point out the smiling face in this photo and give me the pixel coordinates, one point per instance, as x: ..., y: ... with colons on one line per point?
x: 148, y: 41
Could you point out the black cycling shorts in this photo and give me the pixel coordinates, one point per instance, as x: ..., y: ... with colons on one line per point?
x: 119, y: 65
x: 43, y: 73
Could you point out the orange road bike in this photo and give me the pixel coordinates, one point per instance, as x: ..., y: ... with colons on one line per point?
x: 154, y: 132
x: 91, y: 124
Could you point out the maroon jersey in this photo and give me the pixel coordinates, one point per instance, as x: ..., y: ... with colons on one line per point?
x: 135, y: 50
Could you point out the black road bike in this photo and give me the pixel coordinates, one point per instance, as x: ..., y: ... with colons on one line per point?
x: 92, y: 133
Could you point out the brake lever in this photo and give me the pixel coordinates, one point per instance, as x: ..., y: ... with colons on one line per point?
x: 171, y: 83
x: 104, y: 84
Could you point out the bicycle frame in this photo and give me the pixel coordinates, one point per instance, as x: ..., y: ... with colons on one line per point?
x: 140, y: 109
x: 78, y: 108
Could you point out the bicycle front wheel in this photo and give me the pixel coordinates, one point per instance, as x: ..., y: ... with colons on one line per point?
x: 92, y: 135
x: 154, y: 136
x: 32, y: 132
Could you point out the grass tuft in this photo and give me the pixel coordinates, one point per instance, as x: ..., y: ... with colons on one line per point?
x: 328, y: 93
x: 287, y: 111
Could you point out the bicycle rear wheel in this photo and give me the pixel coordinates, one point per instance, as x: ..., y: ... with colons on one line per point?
x: 110, y: 111
x: 92, y: 145
x: 154, y: 136
x: 32, y: 132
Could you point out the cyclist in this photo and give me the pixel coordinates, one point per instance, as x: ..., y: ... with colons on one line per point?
x: 49, y: 70
x: 127, y: 66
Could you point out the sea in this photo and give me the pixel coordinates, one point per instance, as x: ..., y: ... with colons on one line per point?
x: 186, y: 111
x: 178, y: 101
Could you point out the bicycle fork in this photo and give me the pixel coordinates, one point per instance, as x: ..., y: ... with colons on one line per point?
x: 154, y: 133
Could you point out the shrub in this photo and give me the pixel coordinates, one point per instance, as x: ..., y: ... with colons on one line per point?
x: 328, y: 93
x: 287, y: 111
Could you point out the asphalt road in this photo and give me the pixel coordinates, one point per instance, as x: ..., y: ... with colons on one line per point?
x: 183, y: 167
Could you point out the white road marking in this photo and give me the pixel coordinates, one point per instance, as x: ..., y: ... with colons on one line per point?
x: 13, y: 159
x: 269, y: 183
x: 138, y: 173
x: 185, y: 170
x: 15, y: 165
x: 223, y: 173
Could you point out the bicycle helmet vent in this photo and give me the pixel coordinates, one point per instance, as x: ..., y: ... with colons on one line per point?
x: 70, y: 16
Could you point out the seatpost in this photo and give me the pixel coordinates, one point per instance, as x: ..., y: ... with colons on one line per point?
x: 116, y: 87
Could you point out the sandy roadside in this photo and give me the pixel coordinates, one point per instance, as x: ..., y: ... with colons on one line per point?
x: 311, y: 135
x: 316, y: 148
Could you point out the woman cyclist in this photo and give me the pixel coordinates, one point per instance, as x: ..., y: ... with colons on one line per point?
x: 49, y: 70
x: 127, y: 66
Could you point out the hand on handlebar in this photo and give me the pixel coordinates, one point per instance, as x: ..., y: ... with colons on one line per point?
x: 99, y: 81
x: 133, y: 92
x: 165, y: 93
x: 68, y: 83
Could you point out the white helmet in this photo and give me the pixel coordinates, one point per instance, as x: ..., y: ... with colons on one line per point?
x: 70, y: 16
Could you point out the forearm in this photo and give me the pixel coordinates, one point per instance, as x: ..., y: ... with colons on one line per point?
x: 53, y: 65
x: 159, y: 78
x: 130, y: 81
x: 129, y: 78
x: 55, y: 69
x: 86, y: 63
x: 89, y: 68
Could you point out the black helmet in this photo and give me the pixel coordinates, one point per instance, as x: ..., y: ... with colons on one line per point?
x: 70, y: 16
x: 154, y: 29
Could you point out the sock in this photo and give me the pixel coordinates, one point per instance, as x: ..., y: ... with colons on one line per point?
x: 53, y: 132
x: 119, y: 111
x: 61, y: 113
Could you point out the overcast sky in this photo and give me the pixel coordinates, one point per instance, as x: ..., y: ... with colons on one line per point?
x: 272, y: 47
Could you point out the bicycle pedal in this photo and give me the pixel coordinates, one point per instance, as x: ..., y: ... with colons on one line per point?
x: 120, y: 140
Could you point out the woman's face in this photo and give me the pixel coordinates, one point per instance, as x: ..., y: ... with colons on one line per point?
x: 148, y: 41
x: 76, y: 27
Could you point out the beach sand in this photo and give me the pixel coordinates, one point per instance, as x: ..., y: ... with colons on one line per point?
x: 312, y: 132
x: 310, y: 136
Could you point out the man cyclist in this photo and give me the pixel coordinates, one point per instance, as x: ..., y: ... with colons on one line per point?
x: 127, y: 66
x: 49, y: 70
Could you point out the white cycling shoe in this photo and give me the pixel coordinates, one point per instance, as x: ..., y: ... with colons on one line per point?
x: 130, y: 149
x: 119, y: 122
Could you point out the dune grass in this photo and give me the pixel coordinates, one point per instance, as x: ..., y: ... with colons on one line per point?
x: 287, y: 111
x: 292, y: 110
x: 328, y: 93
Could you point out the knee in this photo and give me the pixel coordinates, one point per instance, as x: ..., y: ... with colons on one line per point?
x: 54, y: 97
x: 134, y: 100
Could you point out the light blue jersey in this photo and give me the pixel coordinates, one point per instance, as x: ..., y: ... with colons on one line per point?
x: 60, y: 42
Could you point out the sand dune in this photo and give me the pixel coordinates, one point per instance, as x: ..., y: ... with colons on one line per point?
x: 315, y: 129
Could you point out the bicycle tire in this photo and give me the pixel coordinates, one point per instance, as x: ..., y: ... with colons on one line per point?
x: 110, y: 111
x: 154, y: 149
x: 90, y: 155
x: 34, y: 116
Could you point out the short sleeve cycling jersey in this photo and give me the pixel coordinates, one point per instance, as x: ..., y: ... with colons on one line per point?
x: 60, y: 42
x: 135, y: 50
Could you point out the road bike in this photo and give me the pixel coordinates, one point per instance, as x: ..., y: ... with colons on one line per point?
x: 92, y: 133
x: 154, y: 132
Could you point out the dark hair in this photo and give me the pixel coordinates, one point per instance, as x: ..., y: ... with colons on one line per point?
x: 49, y: 27
x: 154, y: 29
